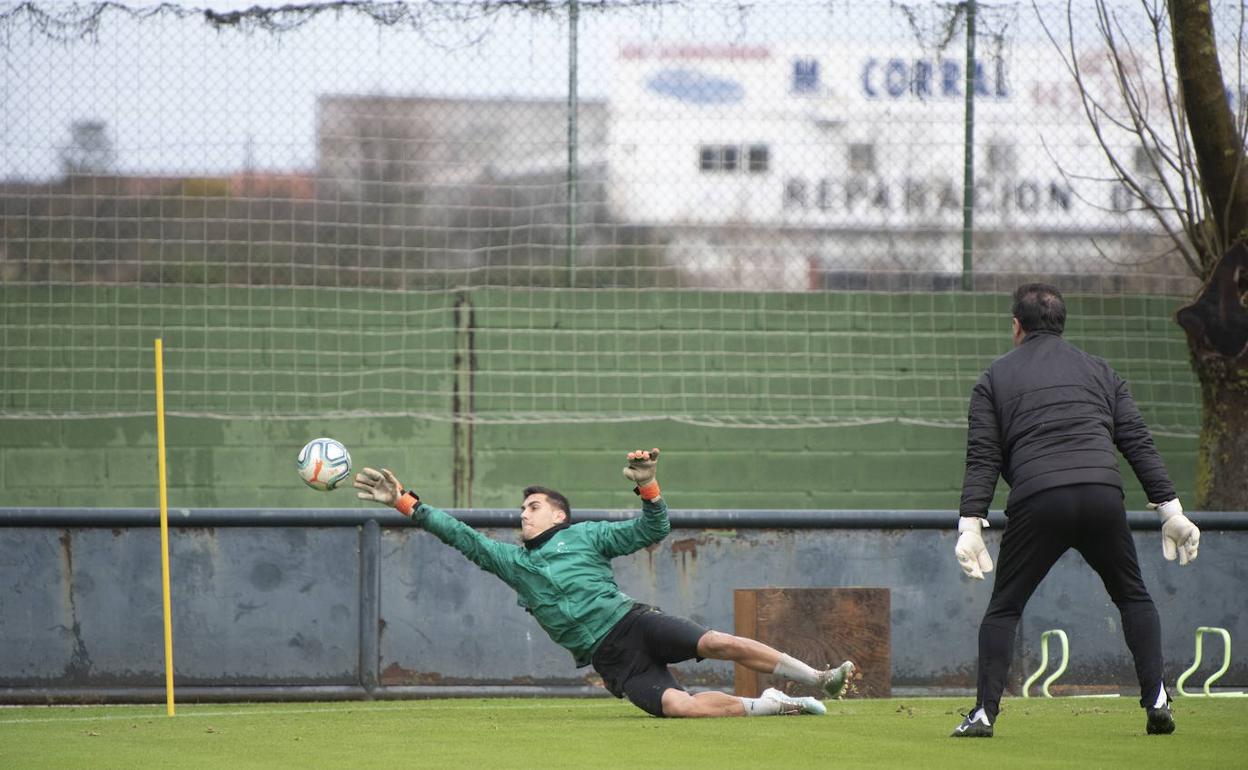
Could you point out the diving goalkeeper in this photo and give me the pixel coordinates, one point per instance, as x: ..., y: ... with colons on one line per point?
x: 563, y: 577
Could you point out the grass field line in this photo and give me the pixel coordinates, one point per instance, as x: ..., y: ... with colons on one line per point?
x: 526, y: 705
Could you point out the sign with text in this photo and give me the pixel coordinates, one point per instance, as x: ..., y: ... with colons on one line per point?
x: 862, y: 137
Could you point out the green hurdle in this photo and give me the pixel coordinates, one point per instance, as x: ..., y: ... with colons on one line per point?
x: 1044, y: 662
x: 1226, y: 662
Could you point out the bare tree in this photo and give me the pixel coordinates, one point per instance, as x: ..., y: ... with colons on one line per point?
x: 1172, y: 100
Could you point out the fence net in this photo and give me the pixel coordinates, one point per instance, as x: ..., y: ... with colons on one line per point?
x: 725, y: 213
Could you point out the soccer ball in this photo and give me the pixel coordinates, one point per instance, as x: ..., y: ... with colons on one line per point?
x: 323, y: 464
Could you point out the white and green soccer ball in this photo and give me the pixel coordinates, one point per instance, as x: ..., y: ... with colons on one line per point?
x: 323, y: 464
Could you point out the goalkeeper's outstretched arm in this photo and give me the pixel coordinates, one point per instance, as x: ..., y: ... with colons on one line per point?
x: 383, y: 487
x: 624, y: 537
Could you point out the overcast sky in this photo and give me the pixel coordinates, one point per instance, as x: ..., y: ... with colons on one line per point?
x: 181, y: 97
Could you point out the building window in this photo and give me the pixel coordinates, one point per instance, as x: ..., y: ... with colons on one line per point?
x: 719, y: 157
x: 1002, y: 158
x: 759, y: 159
x: 708, y: 158
x: 1145, y: 161
x: 805, y: 76
x: 862, y: 158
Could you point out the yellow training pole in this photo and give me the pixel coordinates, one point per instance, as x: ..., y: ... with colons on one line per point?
x: 164, y: 527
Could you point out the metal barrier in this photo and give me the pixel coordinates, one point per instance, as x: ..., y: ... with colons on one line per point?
x: 1044, y: 662
x: 1215, y: 676
x: 359, y: 603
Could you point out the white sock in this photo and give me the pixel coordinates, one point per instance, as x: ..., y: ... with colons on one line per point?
x: 761, y: 707
x: 980, y: 716
x: 792, y: 668
x: 1161, y: 696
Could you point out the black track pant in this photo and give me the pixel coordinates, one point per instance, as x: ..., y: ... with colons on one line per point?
x: 1091, y: 519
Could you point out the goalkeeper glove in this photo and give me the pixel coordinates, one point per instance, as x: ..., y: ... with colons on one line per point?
x: 640, y: 470
x: 382, y: 487
x: 1179, y: 536
x: 971, y: 552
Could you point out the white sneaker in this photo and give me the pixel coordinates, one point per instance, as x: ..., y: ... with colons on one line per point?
x: 833, y: 680
x: 791, y: 705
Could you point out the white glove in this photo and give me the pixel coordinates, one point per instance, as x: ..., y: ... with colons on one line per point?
x: 1179, y: 536
x: 642, y: 466
x: 640, y: 470
x: 971, y: 552
x: 380, y: 487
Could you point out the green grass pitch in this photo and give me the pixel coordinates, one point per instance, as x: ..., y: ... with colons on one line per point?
x: 599, y: 732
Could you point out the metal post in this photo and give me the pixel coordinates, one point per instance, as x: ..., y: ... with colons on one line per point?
x: 370, y: 605
x: 462, y: 402
x: 573, y: 23
x: 968, y: 150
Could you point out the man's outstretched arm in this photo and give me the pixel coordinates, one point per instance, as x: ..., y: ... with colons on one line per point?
x: 984, y: 455
x: 624, y: 537
x: 382, y: 487
x: 1135, y: 441
x: 1179, y: 536
x: 983, y: 466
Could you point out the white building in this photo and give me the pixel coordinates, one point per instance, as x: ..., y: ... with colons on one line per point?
x: 774, y: 167
x: 852, y: 158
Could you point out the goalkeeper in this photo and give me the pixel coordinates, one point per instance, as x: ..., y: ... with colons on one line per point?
x: 563, y: 577
x: 1047, y: 417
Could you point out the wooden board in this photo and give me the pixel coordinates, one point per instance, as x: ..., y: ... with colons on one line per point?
x: 821, y: 627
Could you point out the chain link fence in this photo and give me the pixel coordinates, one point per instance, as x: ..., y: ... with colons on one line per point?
x: 766, y: 213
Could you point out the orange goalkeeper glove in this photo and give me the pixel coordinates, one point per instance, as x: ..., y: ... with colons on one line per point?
x: 382, y: 487
x: 641, y: 470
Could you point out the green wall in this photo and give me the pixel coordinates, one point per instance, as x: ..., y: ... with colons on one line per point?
x: 555, y: 387
x: 540, y: 355
x: 111, y: 462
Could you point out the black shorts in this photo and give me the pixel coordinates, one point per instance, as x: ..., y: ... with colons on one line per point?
x: 633, y: 656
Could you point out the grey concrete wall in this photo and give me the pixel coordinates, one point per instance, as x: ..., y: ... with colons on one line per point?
x: 82, y: 607
x: 311, y: 603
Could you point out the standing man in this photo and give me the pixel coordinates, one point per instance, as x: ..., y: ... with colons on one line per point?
x: 1046, y: 417
x: 563, y: 577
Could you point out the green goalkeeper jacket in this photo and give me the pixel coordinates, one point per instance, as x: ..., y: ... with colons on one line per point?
x: 566, y: 583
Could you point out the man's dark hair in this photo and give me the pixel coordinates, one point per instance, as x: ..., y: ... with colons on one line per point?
x: 556, y: 499
x: 1039, y: 307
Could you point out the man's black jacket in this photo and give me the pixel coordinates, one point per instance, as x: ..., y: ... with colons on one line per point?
x: 1047, y: 415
